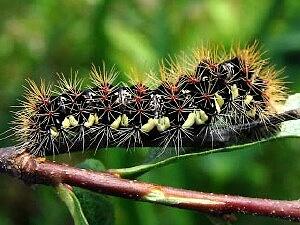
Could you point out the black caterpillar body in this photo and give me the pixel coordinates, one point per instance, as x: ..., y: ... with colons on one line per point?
x: 190, y: 107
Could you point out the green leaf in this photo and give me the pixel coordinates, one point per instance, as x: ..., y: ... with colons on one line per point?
x: 133, y: 172
x: 221, y: 220
x: 289, y: 129
x: 73, y: 204
x: 92, y: 164
x: 87, y: 207
x: 96, y: 207
x: 292, y: 127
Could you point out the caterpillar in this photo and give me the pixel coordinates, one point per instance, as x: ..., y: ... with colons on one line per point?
x: 197, y: 95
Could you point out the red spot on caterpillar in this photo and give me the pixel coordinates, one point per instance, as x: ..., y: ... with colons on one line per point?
x: 213, y: 66
x: 141, y: 89
x: 206, y: 96
x: 193, y: 80
x: 45, y: 101
x: 174, y: 97
x: 105, y: 89
x: 140, y: 110
x: 249, y: 82
x: 108, y: 108
x: 173, y: 88
x: 180, y: 109
x: 103, y: 97
x: 137, y: 99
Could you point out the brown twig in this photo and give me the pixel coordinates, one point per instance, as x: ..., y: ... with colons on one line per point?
x: 34, y: 170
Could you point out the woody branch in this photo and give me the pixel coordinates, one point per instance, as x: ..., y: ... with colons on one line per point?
x: 33, y: 170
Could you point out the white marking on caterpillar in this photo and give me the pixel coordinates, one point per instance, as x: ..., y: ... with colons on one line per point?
x: 54, y: 132
x: 124, y: 121
x: 229, y: 67
x: 189, y: 121
x: 185, y: 91
x: 69, y: 121
x: 96, y: 119
x: 66, y: 123
x: 234, y: 91
x: 201, y: 117
x: 248, y: 99
x: 156, y: 104
x: 123, y: 96
x: 91, y: 120
x: 147, y: 127
x: 116, y: 123
x: 251, y: 112
x: 73, y: 121
x: 219, y: 102
x: 163, y: 124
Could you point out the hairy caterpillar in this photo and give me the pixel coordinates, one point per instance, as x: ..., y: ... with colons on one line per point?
x: 208, y: 92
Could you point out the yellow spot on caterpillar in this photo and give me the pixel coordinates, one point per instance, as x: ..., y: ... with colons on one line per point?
x: 73, y: 121
x: 189, y: 121
x: 116, y: 123
x: 96, y: 119
x: 54, y: 132
x: 163, y: 124
x: 219, y: 101
x: 124, y: 121
x: 91, y: 121
x: 149, y: 125
x: 69, y: 121
x: 234, y: 91
x: 248, y: 99
x: 66, y: 123
x: 201, y: 117
x: 251, y: 112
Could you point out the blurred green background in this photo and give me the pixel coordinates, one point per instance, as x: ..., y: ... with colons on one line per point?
x: 41, y: 38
